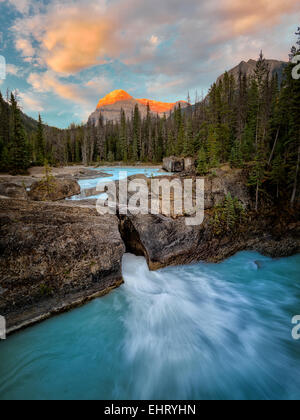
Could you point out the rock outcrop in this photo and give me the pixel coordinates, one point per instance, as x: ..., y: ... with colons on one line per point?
x: 54, y: 189
x: 173, y: 164
x: 166, y: 242
x: 54, y: 257
x: 10, y: 189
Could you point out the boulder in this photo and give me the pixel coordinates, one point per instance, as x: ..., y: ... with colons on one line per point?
x: 54, y: 189
x: 189, y: 164
x: 162, y: 240
x: 10, y: 189
x: 173, y: 164
x: 54, y: 257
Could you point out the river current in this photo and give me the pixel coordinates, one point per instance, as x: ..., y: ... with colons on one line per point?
x: 205, y: 331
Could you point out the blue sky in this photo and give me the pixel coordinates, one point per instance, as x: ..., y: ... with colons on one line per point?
x: 63, y: 56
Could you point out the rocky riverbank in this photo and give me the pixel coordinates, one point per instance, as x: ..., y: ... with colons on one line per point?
x: 55, y: 256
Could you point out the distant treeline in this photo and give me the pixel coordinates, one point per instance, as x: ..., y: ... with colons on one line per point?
x: 250, y: 120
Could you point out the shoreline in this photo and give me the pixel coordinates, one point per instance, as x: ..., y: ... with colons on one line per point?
x: 74, y: 302
x: 52, y: 307
x: 64, y: 307
x: 59, y: 255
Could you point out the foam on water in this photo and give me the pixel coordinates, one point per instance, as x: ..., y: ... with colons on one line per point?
x: 192, y: 332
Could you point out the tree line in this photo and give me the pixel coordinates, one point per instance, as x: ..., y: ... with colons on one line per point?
x: 252, y: 121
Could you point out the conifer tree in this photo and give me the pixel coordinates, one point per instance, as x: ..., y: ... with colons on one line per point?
x: 202, y: 167
x: 236, y: 158
x: 19, y: 150
x: 136, y: 134
x: 213, y: 152
x: 257, y: 174
x: 40, y: 143
x: 188, y: 148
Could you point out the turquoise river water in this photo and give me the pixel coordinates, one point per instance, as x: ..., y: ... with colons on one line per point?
x: 203, y: 331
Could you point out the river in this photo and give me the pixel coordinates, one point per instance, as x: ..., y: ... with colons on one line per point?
x: 205, y: 331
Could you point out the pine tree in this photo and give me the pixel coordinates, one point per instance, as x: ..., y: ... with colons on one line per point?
x: 188, y: 148
x: 123, y: 137
x: 40, y: 143
x: 236, y: 157
x: 19, y: 151
x: 136, y: 134
x: 277, y: 173
x: 230, y: 212
x: 202, y: 167
x: 213, y: 149
x: 257, y: 174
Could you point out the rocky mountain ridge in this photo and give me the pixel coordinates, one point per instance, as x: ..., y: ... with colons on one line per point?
x: 111, y: 105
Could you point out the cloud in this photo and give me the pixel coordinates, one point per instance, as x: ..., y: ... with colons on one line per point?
x: 48, y: 82
x: 22, y: 6
x: 75, y: 35
x: 154, y: 40
x: 174, y: 45
x: 30, y: 102
x: 78, y: 43
x: 70, y: 37
x: 162, y: 85
x: 14, y: 70
x: 99, y: 84
x: 85, y: 94
x: 25, y: 47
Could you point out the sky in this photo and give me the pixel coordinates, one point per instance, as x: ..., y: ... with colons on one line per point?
x: 64, y: 55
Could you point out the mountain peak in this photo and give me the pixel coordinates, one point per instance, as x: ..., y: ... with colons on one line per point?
x: 158, y: 107
x: 110, y: 106
x: 113, y: 97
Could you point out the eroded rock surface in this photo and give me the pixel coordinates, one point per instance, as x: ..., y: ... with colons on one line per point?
x: 54, y: 257
x: 13, y: 190
x: 165, y: 241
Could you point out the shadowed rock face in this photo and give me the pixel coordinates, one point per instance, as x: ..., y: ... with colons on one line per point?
x: 54, y: 257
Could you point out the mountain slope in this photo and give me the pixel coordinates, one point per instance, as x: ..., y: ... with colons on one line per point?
x: 111, y: 105
x: 275, y: 66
